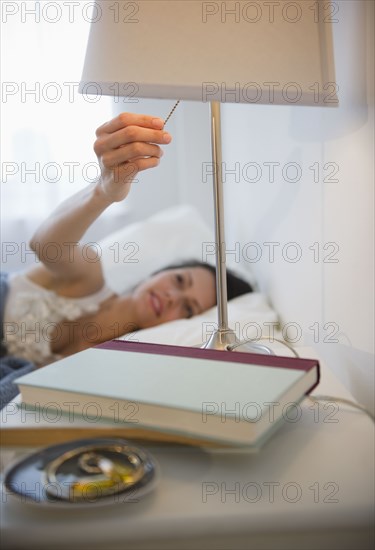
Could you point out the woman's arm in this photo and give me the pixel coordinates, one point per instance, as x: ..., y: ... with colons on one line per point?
x: 126, y: 145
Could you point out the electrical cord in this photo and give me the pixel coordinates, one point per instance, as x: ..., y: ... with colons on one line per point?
x: 232, y: 347
x: 332, y: 399
x: 314, y: 398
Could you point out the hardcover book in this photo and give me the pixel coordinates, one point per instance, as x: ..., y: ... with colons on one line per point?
x: 206, y: 395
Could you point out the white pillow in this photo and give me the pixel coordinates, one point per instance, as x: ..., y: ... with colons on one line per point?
x: 174, y: 235
x: 249, y: 316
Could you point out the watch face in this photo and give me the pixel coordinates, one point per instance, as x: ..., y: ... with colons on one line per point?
x: 84, y: 472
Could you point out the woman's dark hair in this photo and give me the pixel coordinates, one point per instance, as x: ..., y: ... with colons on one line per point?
x: 235, y: 285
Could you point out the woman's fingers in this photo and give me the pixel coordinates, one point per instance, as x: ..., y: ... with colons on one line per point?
x: 128, y: 135
x: 136, y: 133
x: 146, y: 163
x: 130, y: 152
x: 126, y: 145
x: 126, y: 172
x: 130, y: 119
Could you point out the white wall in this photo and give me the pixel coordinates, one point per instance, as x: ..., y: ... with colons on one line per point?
x: 332, y: 302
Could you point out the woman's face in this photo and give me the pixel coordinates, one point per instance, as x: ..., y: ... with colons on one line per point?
x: 174, y: 294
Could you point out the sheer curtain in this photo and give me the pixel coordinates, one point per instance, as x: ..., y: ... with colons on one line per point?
x: 48, y: 129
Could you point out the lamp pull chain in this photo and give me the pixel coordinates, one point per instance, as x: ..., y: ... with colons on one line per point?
x: 171, y: 113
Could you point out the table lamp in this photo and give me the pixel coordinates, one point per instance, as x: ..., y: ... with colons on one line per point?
x: 276, y: 53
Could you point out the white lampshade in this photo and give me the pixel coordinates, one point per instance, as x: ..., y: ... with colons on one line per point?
x: 248, y: 52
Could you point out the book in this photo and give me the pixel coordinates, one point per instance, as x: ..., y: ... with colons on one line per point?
x: 206, y: 395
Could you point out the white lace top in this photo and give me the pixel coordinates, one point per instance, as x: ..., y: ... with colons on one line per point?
x: 32, y: 313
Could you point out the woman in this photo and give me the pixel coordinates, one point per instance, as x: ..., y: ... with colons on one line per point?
x: 63, y: 305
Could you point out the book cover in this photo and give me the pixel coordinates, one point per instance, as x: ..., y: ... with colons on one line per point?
x: 233, y: 398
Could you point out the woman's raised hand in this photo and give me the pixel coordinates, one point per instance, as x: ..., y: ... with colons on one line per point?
x: 126, y: 145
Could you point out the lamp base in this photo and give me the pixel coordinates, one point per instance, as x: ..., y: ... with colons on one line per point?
x: 221, y: 339
x: 226, y: 340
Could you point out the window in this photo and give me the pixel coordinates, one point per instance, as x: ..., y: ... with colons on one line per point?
x: 48, y: 129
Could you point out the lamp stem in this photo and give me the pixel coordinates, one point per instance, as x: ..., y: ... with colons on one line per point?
x: 221, y: 280
x: 223, y: 336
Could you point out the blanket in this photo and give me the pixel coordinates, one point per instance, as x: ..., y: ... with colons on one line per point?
x: 10, y: 367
